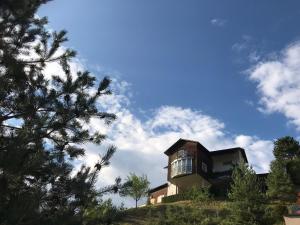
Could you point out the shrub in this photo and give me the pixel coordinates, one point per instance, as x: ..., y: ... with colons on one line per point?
x: 274, y: 214
x: 175, y: 215
x: 175, y: 198
x: 198, y: 194
x: 104, y: 213
x: 195, y: 194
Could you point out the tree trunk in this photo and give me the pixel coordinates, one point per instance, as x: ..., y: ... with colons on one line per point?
x: 136, y: 203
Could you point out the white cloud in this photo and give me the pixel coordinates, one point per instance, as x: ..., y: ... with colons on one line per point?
x: 218, y: 22
x: 245, y: 43
x: 278, y: 83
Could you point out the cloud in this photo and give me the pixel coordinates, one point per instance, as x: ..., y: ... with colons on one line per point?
x: 254, y: 57
x: 245, y: 43
x: 248, y: 46
x: 218, y: 22
x: 278, y: 83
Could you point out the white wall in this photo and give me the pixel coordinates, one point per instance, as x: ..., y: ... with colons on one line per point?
x: 172, y: 189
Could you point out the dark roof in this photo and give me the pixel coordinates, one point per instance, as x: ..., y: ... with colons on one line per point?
x: 262, y: 175
x: 158, y: 188
x: 180, y: 142
x: 229, y: 150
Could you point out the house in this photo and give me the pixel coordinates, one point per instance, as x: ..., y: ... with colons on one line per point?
x: 191, y: 164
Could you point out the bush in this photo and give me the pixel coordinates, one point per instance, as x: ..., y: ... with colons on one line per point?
x: 274, y: 214
x: 175, y: 215
x: 198, y: 194
x: 175, y: 198
x: 104, y: 213
x: 195, y: 194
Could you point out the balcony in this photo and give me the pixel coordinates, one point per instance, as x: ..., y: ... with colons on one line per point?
x: 181, y: 166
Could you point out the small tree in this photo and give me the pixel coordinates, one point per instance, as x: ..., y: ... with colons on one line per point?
x: 247, y: 207
x: 280, y: 186
x: 136, y: 188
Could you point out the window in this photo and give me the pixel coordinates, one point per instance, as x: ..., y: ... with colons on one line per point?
x: 181, y: 166
x: 204, y: 167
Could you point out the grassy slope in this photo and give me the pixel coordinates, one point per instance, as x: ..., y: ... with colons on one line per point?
x: 151, y: 214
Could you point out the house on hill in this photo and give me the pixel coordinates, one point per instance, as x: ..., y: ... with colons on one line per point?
x: 191, y: 164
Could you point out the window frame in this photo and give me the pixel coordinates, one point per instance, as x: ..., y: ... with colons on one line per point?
x: 181, y: 166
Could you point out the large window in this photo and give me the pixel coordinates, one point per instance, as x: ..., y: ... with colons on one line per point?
x: 181, y: 166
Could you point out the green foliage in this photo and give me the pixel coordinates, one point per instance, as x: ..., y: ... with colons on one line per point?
x: 280, y: 186
x: 247, y: 200
x: 198, y: 194
x: 286, y: 148
x: 175, y: 198
x: 187, y: 212
x: 43, y: 123
x: 287, y: 152
x: 195, y: 194
x: 175, y: 215
x: 274, y: 214
x: 293, y: 169
x: 104, y: 213
x: 136, y: 187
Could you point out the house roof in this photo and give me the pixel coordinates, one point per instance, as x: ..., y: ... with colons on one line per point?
x: 158, y: 188
x: 229, y: 151
x: 181, y: 141
x: 262, y: 175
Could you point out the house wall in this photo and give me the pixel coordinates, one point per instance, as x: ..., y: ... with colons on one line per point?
x: 180, y: 184
x: 203, y: 157
x: 172, y: 189
x: 156, y: 197
x: 219, y: 161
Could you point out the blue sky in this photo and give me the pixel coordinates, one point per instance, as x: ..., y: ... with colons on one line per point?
x: 172, y: 54
x: 216, y: 61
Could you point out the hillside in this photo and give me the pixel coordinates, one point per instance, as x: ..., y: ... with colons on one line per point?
x: 184, y: 212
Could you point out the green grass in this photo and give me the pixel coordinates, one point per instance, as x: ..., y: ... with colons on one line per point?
x: 183, y: 210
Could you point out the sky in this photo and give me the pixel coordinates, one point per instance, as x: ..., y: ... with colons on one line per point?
x: 224, y: 73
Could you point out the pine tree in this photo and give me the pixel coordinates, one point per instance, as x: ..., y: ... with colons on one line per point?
x: 286, y: 148
x: 42, y: 123
x: 287, y: 151
x: 280, y: 186
x: 247, y: 201
x: 285, y: 166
